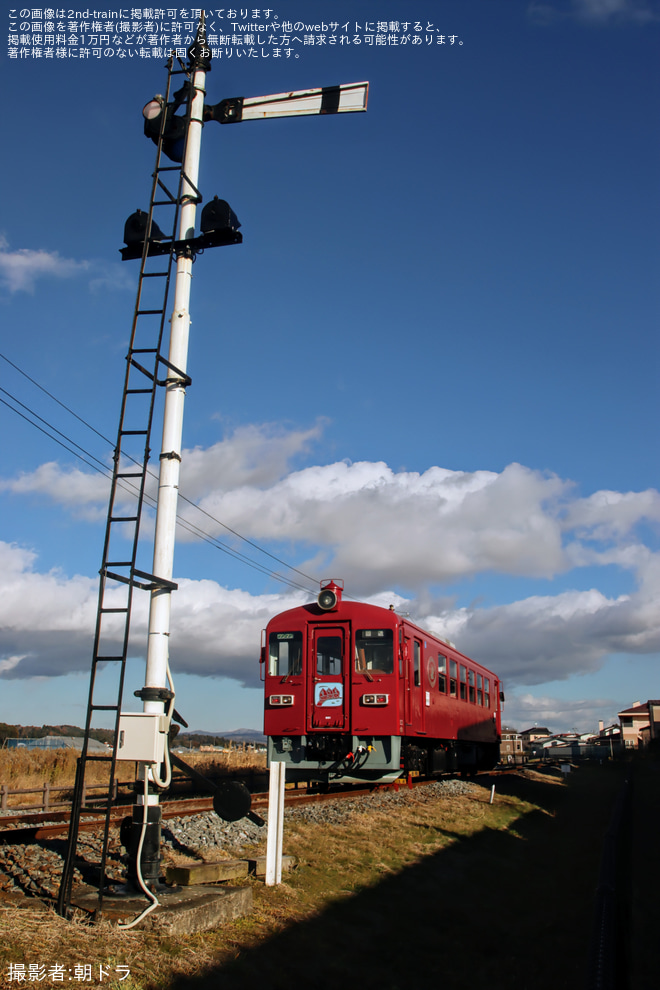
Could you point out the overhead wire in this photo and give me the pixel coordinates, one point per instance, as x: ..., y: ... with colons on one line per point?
x: 185, y: 523
x: 182, y: 496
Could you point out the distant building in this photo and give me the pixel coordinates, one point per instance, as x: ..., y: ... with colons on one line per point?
x: 633, y: 720
x: 650, y: 736
x: 510, y: 745
x: 531, y: 736
x: 56, y: 742
x: 640, y: 724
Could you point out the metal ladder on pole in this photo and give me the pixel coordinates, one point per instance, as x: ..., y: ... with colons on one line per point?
x: 146, y: 371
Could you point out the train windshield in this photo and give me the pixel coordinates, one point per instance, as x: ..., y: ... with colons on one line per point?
x: 374, y: 650
x: 328, y: 655
x: 285, y: 653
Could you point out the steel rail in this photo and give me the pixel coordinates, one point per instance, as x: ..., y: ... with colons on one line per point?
x: 44, y: 825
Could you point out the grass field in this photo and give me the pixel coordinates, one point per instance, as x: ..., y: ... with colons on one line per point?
x: 30, y: 768
x: 448, y: 892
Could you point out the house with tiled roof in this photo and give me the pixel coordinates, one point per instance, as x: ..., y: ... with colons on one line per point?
x: 650, y: 734
x: 531, y: 736
x: 633, y: 721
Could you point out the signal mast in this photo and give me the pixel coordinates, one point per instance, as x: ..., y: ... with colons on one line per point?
x: 143, y: 737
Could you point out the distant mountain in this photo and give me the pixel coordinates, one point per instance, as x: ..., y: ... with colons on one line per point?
x: 236, y: 735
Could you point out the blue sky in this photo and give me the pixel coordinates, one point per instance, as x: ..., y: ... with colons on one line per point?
x: 430, y: 368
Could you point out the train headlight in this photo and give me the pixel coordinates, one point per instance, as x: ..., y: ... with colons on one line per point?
x: 331, y: 592
x: 327, y: 600
x: 375, y: 699
x: 280, y: 700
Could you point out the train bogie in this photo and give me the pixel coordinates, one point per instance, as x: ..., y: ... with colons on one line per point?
x: 357, y: 692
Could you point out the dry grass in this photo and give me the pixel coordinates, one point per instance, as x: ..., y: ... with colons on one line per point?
x: 447, y: 875
x: 221, y: 763
x: 336, y: 862
x: 22, y: 769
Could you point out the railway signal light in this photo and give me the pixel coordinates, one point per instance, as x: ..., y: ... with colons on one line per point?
x: 174, y: 133
x: 135, y: 233
x: 218, y: 223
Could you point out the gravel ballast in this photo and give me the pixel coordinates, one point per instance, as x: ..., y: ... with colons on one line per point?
x: 35, y: 869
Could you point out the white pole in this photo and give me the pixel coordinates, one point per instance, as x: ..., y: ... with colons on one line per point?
x: 170, y: 458
x: 274, y: 839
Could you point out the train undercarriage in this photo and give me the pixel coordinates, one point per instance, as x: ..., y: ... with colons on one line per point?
x: 340, y: 757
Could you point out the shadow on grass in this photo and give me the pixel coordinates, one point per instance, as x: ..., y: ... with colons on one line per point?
x: 503, y: 909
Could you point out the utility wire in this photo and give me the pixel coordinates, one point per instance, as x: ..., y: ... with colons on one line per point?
x: 267, y: 553
x: 55, y: 399
x: 49, y: 435
x: 150, y: 500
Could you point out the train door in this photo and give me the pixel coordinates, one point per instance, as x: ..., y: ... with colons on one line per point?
x: 413, y: 706
x: 407, y: 701
x: 417, y: 686
x: 329, y: 654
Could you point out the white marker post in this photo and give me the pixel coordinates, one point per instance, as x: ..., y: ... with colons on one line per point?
x: 275, y: 823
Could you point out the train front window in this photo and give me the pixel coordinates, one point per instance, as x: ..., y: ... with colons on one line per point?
x: 374, y: 650
x: 285, y: 654
x: 328, y: 654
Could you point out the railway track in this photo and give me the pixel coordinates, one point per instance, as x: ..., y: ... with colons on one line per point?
x: 48, y: 825
x: 34, y: 827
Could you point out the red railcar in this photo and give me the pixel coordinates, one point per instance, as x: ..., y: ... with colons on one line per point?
x: 358, y: 692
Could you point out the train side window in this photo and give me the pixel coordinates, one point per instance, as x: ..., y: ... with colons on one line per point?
x: 442, y: 674
x: 480, y: 689
x: 285, y: 654
x: 463, y: 672
x: 453, y: 671
x: 471, y: 686
x: 374, y: 650
x: 487, y: 692
x: 417, y: 662
x: 328, y: 655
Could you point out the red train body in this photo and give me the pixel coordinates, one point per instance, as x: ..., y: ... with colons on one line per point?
x: 358, y: 692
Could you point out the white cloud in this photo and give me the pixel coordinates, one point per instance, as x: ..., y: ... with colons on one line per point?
x: 9, y: 663
x: 380, y: 528
x: 47, y: 620
x: 255, y: 455
x: 549, y: 638
x: 20, y: 269
x: 440, y: 524
x: 609, y: 516
x: 522, y: 711
x: 86, y: 492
